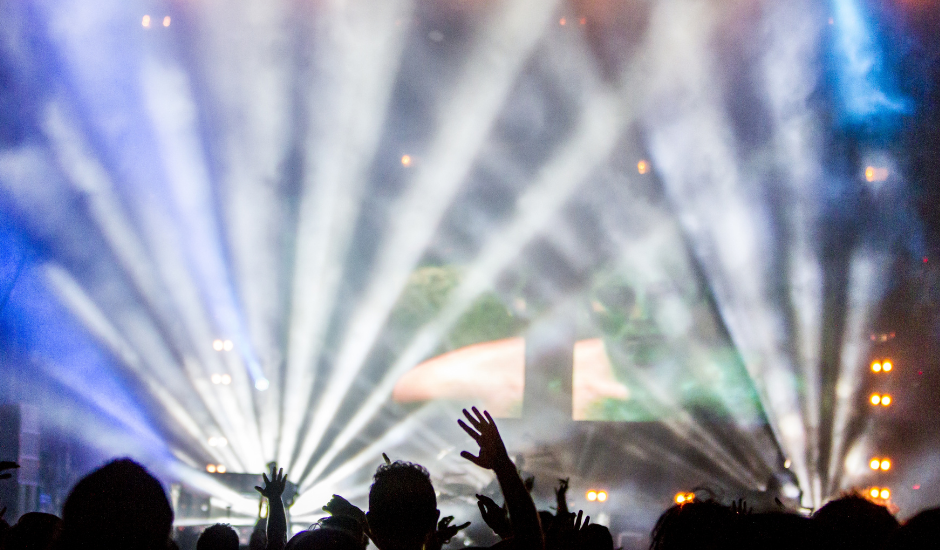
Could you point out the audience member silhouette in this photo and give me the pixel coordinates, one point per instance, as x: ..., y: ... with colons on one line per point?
x: 402, y: 507
x: 921, y: 531
x: 853, y: 522
x: 119, y: 506
x: 774, y: 531
x: 704, y: 525
x: 33, y: 531
x: 218, y: 537
x: 323, y: 538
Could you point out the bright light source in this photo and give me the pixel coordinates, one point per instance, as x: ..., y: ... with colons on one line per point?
x: 262, y: 384
x: 873, y: 174
x: 885, y: 400
x: 217, y: 442
x: 226, y: 379
x: 601, y: 496
x: 216, y: 378
x: 406, y: 160
x: 592, y: 495
x: 886, y: 366
x: 684, y: 498
x: 227, y: 345
x: 680, y: 498
x: 642, y: 167
x: 886, y: 465
x: 217, y: 345
x: 210, y: 468
x: 220, y: 468
x: 166, y: 21
x: 145, y: 22
x: 786, y: 464
x: 874, y: 492
x: 874, y: 464
x: 562, y: 21
x: 885, y: 494
x: 876, y: 366
x: 875, y: 399
x: 870, y: 173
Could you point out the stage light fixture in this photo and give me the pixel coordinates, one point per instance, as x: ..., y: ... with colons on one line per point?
x: 642, y: 167
x: 210, y: 468
x: 227, y: 345
x: 217, y: 345
x: 602, y: 496
x: 886, y: 366
x: 262, y: 384
x: 876, y: 366
x: 225, y: 379
x: 406, y: 160
x: 885, y: 465
x: 216, y: 378
x: 875, y: 399
x: 885, y: 400
x: 145, y: 22
x: 874, y: 464
x: 591, y: 495
x: 166, y: 21
x: 885, y: 494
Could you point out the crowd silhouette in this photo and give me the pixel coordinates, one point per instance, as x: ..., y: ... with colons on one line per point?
x: 121, y: 506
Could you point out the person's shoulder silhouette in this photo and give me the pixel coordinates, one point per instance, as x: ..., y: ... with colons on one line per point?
x: 119, y: 506
x: 921, y: 531
x: 402, y: 506
x: 33, y: 531
x: 701, y: 524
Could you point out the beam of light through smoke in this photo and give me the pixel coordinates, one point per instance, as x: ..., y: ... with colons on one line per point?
x: 504, y: 43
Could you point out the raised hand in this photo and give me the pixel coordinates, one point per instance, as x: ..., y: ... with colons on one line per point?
x: 492, y: 450
x: 7, y: 465
x: 444, y: 532
x: 274, y: 487
x: 340, y: 507
x: 561, y: 497
x: 494, y: 516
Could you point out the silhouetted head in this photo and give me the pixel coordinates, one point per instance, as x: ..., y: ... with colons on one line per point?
x: 402, y: 506
x: 921, y: 531
x: 703, y: 525
x: 596, y: 537
x: 218, y: 537
x: 119, y: 506
x: 258, y: 539
x: 853, y: 522
x: 34, y: 531
x: 323, y: 539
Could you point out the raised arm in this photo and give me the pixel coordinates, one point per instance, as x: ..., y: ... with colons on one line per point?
x: 277, y: 518
x: 493, y: 456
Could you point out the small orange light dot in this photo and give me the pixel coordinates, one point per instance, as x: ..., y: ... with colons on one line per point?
x: 885, y: 465
x: 592, y: 495
x: 875, y: 399
x: 602, y: 496
x: 583, y: 20
x: 876, y: 366
x: 885, y: 400
x: 145, y: 22
x: 874, y: 464
x: 642, y: 167
x: 210, y: 468
x: 874, y: 492
x: 870, y: 174
x: 887, y: 366
x: 166, y: 21
x: 885, y: 494
x: 562, y: 21
x: 680, y: 498
x: 406, y: 160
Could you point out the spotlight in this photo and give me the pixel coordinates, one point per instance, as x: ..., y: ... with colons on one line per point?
x: 642, y: 167
x: 876, y: 366
x: 602, y: 496
x: 886, y: 366
x: 562, y: 21
x: 684, y: 498
x: 217, y: 442
x: 786, y: 464
x: 210, y: 468
x: 406, y: 160
x: 874, y: 492
x: 226, y: 379
x: 217, y: 345
x: 680, y: 498
x: 591, y: 495
x: 262, y: 384
x: 875, y: 399
x: 166, y: 21
x: 885, y: 400
x: 885, y: 465
x: 227, y: 345
x: 885, y: 494
x: 870, y: 173
x: 145, y: 22
x: 216, y: 378
x: 874, y: 464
